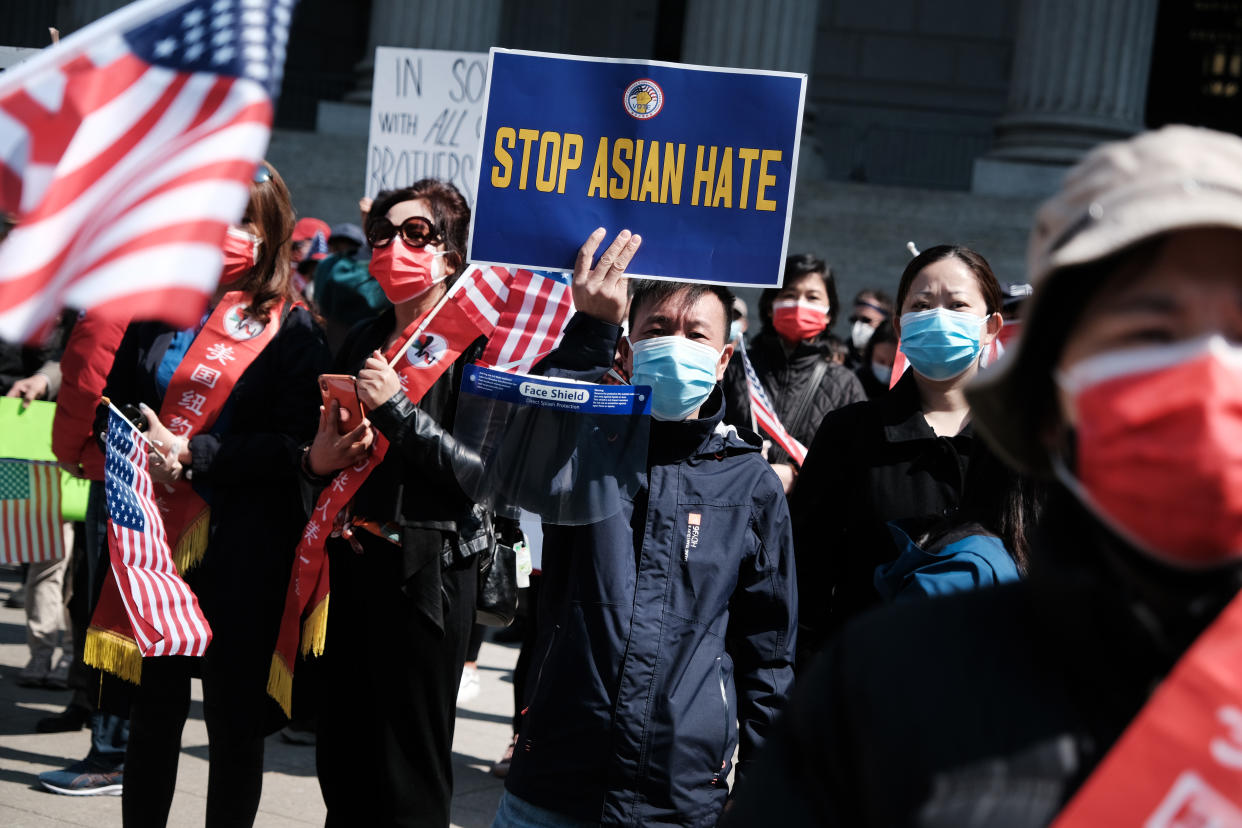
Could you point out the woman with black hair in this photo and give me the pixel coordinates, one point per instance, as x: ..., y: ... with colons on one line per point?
x: 793, y: 358
x: 902, y: 456
x: 875, y: 370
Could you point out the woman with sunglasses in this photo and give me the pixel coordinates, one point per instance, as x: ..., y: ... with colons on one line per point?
x: 403, y: 571
x: 228, y: 404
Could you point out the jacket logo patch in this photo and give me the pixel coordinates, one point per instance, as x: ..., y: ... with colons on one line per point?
x: 692, y: 534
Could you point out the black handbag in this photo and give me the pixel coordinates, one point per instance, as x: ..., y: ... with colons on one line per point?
x: 496, y: 603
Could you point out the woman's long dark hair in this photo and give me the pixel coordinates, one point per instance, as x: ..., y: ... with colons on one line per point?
x: 271, y: 213
x: 998, y: 500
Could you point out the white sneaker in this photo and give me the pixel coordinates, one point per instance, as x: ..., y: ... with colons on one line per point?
x: 469, y: 688
x: 58, y: 678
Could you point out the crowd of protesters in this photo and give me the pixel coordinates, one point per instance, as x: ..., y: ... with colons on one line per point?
x: 946, y: 614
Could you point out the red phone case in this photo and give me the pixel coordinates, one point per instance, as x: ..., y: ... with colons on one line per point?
x: 344, y: 389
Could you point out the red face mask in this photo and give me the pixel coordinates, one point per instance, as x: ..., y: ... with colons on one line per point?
x: 1159, y: 448
x: 404, y: 273
x: 240, y: 251
x: 798, y: 320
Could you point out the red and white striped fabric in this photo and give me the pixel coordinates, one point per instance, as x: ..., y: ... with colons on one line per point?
x: 30, y: 526
x: 162, y: 610
x: 126, y: 151
x: 532, y: 321
x: 765, y: 415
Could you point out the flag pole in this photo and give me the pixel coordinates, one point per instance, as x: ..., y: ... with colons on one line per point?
x: 121, y: 414
x: 427, y: 321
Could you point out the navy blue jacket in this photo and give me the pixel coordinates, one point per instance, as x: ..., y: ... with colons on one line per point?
x: 662, y: 629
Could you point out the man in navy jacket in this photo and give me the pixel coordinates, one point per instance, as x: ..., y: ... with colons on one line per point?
x: 666, y: 631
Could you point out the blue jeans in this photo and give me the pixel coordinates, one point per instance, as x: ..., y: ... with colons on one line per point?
x: 518, y: 813
x: 109, y: 737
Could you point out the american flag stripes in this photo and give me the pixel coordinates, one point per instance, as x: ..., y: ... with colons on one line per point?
x: 126, y: 151
x: 765, y: 414
x: 30, y: 525
x: 162, y: 610
x: 532, y: 321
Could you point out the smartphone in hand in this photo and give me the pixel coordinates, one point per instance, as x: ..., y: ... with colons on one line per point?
x: 344, y: 389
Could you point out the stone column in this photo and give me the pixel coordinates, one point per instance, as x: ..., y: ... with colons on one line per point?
x: 777, y: 34
x: 455, y: 25
x: 1079, y: 78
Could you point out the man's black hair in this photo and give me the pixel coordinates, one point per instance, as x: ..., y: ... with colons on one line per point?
x: 644, y: 292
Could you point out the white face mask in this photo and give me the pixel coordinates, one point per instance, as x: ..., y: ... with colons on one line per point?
x: 860, y: 334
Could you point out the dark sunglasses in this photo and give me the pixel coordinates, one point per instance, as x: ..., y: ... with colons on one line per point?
x: 416, y: 231
x: 261, y: 175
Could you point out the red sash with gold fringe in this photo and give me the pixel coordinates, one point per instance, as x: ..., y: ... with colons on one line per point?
x: 229, y: 342
x: 305, y: 617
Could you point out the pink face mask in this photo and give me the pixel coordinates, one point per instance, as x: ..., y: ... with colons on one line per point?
x: 403, y: 272
x: 241, y: 250
x: 798, y: 320
x: 1159, y: 448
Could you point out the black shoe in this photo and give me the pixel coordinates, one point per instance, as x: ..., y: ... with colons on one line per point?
x: 73, y: 717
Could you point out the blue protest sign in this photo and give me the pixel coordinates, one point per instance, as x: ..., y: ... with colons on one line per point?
x: 700, y: 161
x: 566, y: 395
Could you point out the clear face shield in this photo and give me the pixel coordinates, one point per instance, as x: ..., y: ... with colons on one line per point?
x: 569, y: 452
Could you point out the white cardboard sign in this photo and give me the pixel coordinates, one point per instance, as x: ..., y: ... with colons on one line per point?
x: 426, y: 118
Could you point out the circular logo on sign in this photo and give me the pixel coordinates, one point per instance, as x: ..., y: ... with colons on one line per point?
x: 427, y: 350
x: 240, y: 325
x: 644, y: 99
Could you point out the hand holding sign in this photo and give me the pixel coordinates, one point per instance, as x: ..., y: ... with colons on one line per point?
x: 601, y: 291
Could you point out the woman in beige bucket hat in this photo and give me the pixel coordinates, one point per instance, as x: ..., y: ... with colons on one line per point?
x: 996, y: 707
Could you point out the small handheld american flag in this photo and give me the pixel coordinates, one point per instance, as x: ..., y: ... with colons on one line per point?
x: 162, y: 610
x: 765, y: 414
x: 126, y: 150
x: 30, y: 530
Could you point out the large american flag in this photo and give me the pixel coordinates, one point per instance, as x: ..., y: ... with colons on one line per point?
x: 126, y: 150
x: 525, y: 311
x: 161, y: 608
x: 30, y: 527
x: 765, y: 415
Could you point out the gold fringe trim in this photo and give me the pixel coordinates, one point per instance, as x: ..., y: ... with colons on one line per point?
x: 280, y: 684
x: 115, y: 653
x: 193, y: 543
x: 315, y: 629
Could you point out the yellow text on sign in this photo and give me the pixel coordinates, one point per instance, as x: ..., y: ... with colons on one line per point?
x: 637, y: 170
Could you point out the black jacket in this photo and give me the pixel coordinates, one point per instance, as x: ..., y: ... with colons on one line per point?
x: 869, y: 464
x: 416, y: 485
x: 790, y: 382
x: 666, y: 630
x: 987, y: 708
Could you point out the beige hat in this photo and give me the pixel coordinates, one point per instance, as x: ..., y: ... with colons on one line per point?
x: 1120, y: 194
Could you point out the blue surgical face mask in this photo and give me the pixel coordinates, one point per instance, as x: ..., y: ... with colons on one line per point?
x: 941, y: 343
x: 681, y: 373
x: 883, y: 373
x: 735, y: 330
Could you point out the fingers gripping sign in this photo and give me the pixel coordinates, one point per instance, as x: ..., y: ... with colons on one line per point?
x: 600, y: 291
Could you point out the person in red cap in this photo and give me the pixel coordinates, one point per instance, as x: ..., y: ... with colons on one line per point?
x: 310, y: 246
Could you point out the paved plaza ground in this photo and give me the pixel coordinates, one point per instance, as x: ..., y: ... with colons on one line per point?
x: 290, y: 791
